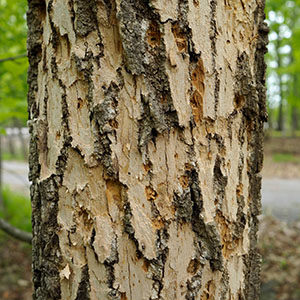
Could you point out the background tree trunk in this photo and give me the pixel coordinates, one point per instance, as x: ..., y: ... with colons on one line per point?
x: 295, y: 120
x: 295, y: 105
x: 23, y: 144
x: 146, y: 121
x: 280, y: 118
x: 11, y: 145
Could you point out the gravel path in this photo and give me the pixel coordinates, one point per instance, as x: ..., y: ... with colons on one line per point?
x: 281, y: 198
x: 15, y: 174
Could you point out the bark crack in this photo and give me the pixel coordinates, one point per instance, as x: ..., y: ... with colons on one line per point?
x: 213, y: 38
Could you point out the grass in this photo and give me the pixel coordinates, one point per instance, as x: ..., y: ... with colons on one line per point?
x: 280, y: 134
x: 15, y: 256
x: 18, y: 156
x: 17, y: 209
x: 286, y: 158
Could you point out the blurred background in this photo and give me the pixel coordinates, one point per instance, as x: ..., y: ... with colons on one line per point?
x: 279, y: 236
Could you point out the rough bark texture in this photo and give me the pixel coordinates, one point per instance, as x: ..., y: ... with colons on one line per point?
x: 146, y: 122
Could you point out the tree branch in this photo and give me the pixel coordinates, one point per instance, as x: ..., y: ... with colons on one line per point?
x: 15, y: 232
x: 13, y: 58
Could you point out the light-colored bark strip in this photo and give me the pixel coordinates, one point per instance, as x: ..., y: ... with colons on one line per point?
x: 146, y: 122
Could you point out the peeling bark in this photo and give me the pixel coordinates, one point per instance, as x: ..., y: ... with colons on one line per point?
x: 146, y: 123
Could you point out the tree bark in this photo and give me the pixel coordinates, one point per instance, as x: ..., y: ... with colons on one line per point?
x: 146, y: 121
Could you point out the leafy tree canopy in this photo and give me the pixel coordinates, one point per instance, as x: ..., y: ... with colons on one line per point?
x: 13, y: 73
x: 284, y: 57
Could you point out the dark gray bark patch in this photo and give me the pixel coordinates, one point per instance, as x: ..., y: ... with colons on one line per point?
x: 193, y: 287
x: 189, y: 207
x: 91, y: 243
x: 255, y: 195
x: 110, y: 270
x: 184, y: 205
x: 158, y: 115
x: 35, y: 14
x: 133, y: 17
x: 128, y: 228
x: 158, y: 264
x: 252, y: 262
x: 207, y: 234
x: 240, y: 224
x: 104, y: 115
x: 213, y: 39
x: 85, y: 16
x: 54, y: 39
x: 255, y: 116
x: 44, y: 194
x: 220, y: 182
x: 226, y: 285
x: 83, y: 292
x: 147, y: 129
x: 34, y: 165
x: 260, y: 65
x: 212, y: 240
x: 246, y: 96
x: 46, y: 278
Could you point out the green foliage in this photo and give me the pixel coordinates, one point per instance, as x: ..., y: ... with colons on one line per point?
x: 19, y: 156
x: 13, y: 73
x: 286, y: 158
x: 284, y: 60
x: 17, y: 209
x: 279, y: 134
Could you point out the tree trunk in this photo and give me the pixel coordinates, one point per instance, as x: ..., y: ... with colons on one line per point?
x: 146, y: 121
x: 295, y: 120
x: 294, y: 81
x: 23, y: 144
x: 11, y: 144
x: 295, y: 106
x: 280, y: 118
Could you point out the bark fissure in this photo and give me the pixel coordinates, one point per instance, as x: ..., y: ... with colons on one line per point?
x: 84, y: 285
x: 213, y: 38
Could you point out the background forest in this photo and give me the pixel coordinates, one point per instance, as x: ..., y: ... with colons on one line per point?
x: 284, y: 66
x: 279, y: 242
x: 13, y: 63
